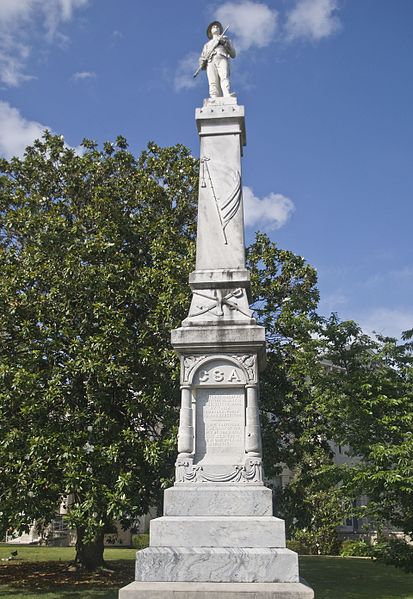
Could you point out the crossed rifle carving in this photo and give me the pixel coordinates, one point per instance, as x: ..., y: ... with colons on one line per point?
x: 218, y: 302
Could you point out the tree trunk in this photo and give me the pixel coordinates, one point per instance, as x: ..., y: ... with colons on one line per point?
x: 89, y: 555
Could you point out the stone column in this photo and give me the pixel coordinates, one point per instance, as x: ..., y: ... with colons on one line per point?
x: 252, y: 428
x: 218, y: 537
x: 186, y: 428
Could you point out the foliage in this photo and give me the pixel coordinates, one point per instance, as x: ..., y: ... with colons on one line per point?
x: 95, y: 251
x: 140, y: 541
x: 313, y: 507
x: 366, y: 401
x: 356, y: 392
x: 360, y: 548
x: 298, y: 547
x: 394, y: 552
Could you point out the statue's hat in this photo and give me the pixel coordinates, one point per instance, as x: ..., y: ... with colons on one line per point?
x: 210, y: 26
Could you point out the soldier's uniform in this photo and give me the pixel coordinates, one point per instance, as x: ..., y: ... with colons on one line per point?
x: 217, y: 65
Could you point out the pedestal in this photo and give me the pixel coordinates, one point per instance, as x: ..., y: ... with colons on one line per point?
x: 202, y: 590
x: 218, y: 536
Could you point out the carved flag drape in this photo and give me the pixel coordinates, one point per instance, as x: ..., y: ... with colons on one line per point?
x: 227, y: 207
x: 230, y: 206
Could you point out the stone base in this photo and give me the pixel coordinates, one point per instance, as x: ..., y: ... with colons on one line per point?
x: 216, y: 564
x: 211, y: 590
x: 202, y: 500
x: 217, y: 531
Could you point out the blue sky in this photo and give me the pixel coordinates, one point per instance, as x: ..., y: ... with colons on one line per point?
x: 327, y: 87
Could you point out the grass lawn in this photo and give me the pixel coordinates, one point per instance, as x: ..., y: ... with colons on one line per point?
x: 44, y: 573
x: 354, y: 578
x: 33, y: 553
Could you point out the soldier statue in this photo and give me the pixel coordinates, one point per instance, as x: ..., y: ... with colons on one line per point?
x: 215, y: 58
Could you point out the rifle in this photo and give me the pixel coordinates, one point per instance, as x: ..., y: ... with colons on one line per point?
x: 216, y: 44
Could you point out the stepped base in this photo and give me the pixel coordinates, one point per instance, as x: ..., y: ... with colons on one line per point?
x: 218, y: 531
x: 216, y: 564
x: 209, y: 590
x: 202, y: 500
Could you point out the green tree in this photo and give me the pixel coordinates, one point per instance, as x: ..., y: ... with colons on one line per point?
x: 314, y: 505
x: 366, y: 402
x: 95, y: 253
x: 327, y: 382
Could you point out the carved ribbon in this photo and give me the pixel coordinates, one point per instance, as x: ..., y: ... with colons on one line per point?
x: 185, y: 472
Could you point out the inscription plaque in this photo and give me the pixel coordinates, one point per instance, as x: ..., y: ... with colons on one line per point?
x: 220, y: 422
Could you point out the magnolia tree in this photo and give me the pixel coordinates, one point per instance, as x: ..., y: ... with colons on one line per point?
x: 95, y: 252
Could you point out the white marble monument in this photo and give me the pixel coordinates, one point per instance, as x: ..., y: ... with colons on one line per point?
x: 218, y: 536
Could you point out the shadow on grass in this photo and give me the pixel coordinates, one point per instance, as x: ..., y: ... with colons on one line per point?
x: 354, y: 578
x: 50, y: 580
x: 13, y: 593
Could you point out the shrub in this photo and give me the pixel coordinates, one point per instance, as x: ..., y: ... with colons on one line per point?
x: 355, y: 549
x: 394, y: 552
x: 298, y: 546
x: 316, y: 542
x: 140, y: 541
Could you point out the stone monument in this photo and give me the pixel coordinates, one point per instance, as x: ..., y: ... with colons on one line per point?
x: 218, y: 536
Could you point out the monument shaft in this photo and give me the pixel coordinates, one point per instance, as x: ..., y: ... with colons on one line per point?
x: 220, y: 233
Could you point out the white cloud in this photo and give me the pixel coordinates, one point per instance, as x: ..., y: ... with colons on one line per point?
x: 387, y: 321
x: 15, y: 13
x: 16, y: 132
x: 18, y: 20
x: 13, y: 56
x: 57, y: 11
x: 312, y: 20
x: 251, y: 23
x: 270, y: 212
x: 184, y: 75
x: 81, y: 75
x: 11, y: 10
x: 332, y: 302
x: 402, y: 275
